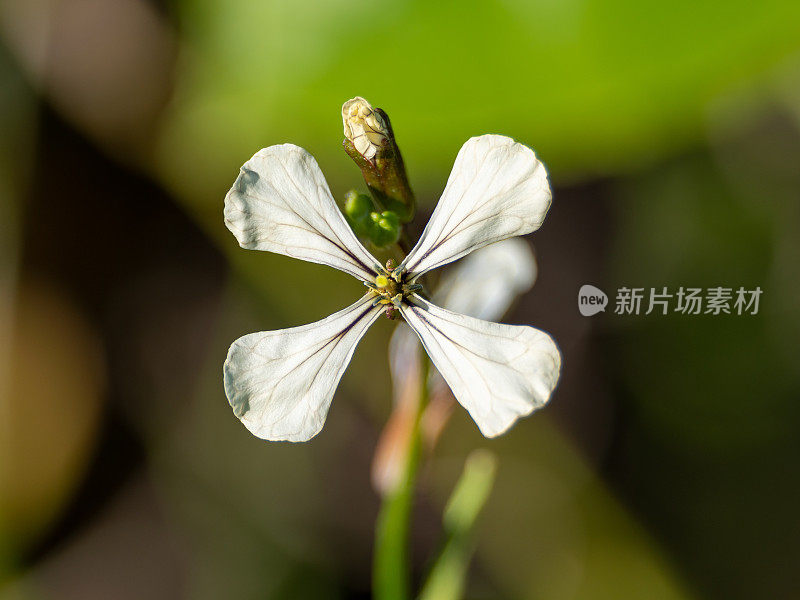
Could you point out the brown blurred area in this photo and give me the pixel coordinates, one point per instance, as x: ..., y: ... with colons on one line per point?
x: 105, y: 270
x: 665, y: 466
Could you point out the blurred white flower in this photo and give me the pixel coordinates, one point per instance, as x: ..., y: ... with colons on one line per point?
x: 485, y: 283
x: 281, y: 383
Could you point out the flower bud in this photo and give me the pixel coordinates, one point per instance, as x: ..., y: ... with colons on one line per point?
x: 364, y: 127
x: 385, y: 229
x: 369, y: 141
x: 357, y: 209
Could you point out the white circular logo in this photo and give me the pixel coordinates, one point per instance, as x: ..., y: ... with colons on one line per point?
x: 591, y: 300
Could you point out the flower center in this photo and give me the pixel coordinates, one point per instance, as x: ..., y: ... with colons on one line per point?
x: 390, y: 290
x: 387, y: 290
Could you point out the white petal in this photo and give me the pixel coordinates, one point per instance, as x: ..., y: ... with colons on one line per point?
x: 497, y: 189
x: 281, y: 203
x: 485, y: 283
x: 280, y: 383
x: 497, y: 372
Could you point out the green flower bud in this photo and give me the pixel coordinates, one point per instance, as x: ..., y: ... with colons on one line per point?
x: 369, y: 140
x: 357, y: 209
x: 385, y: 229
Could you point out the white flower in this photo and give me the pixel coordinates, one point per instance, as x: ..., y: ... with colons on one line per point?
x: 281, y: 383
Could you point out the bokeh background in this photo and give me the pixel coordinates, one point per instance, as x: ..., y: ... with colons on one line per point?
x: 666, y: 465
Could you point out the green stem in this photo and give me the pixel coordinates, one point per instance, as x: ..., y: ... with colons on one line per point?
x: 391, y: 564
x: 448, y: 575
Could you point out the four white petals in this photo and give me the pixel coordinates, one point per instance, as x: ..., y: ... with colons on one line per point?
x: 281, y: 383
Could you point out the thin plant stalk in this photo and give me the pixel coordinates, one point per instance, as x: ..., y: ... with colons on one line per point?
x: 392, y: 564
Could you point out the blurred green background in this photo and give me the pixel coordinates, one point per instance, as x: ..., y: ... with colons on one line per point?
x: 665, y: 466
